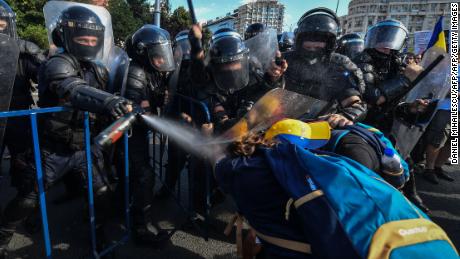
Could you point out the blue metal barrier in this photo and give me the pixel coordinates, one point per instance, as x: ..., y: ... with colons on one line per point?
x: 205, y: 116
x: 40, y: 181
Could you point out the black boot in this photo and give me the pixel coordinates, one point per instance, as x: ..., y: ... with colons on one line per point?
x: 3, y: 253
x: 5, y: 237
x: 163, y: 193
x: 33, y: 223
x: 14, y: 214
x: 431, y: 176
x: 73, y: 189
x: 443, y: 174
x: 151, y: 235
x: 410, y: 191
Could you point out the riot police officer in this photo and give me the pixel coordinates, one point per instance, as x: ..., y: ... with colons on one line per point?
x: 152, y: 59
x: 17, y: 133
x: 383, y: 69
x: 229, y: 83
x: 350, y: 45
x: 386, y: 78
x: 179, y: 108
x: 232, y: 82
x: 76, y: 78
x: 314, y: 70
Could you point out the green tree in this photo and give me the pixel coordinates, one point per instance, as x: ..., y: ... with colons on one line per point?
x: 124, y: 23
x: 140, y: 10
x: 30, y: 21
x: 179, y: 20
x: 165, y: 12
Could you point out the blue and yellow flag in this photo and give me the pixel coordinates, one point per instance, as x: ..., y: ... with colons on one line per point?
x: 310, y: 135
x: 438, y: 38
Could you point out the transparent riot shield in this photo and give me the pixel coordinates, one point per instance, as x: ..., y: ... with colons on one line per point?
x: 53, y: 10
x: 9, y: 54
x: 262, y: 49
x: 435, y: 86
x: 274, y: 106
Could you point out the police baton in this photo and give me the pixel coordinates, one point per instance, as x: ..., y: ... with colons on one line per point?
x: 420, y: 77
x: 388, y: 109
x: 192, y: 11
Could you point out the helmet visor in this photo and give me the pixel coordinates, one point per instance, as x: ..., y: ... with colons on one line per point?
x: 354, y: 47
x: 231, y: 76
x: 53, y: 11
x: 84, y: 40
x: 386, y: 35
x: 7, y: 26
x: 161, y: 57
x: 185, y: 48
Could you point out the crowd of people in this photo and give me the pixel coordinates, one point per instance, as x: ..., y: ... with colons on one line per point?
x: 361, y: 83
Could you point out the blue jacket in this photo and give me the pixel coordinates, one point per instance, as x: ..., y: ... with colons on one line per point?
x: 254, y: 183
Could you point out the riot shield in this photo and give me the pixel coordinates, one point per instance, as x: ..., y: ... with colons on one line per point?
x: 9, y: 54
x: 262, y: 49
x: 435, y: 86
x: 118, y: 65
x: 274, y: 106
x: 174, y: 76
x: 53, y: 10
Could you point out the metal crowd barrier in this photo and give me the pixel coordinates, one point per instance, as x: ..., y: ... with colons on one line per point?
x: 199, y: 112
x: 41, y: 188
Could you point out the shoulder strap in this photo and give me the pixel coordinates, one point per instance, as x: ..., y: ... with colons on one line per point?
x: 285, y: 243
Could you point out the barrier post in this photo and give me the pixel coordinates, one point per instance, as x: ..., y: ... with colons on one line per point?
x: 127, y: 198
x: 32, y: 113
x: 41, y: 188
x: 89, y: 167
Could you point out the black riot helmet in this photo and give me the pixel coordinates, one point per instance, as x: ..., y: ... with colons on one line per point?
x: 389, y: 34
x: 7, y: 20
x: 80, y: 32
x: 229, y: 61
x: 350, y: 45
x: 254, y: 29
x: 151, y: 45
x: 317, y: 25
x: 182, y: 45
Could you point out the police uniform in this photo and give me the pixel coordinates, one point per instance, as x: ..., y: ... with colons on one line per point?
x: 18, y: 133
x: 383, y: 77
x: 383, y: 74
x: 68, y: 78
x: 146, y: 83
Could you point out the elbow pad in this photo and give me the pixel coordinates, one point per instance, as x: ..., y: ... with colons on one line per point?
x: 91, y: 99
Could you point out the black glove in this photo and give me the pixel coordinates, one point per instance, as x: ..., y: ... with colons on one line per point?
x: 117, y: 106
x: 244, y: 108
